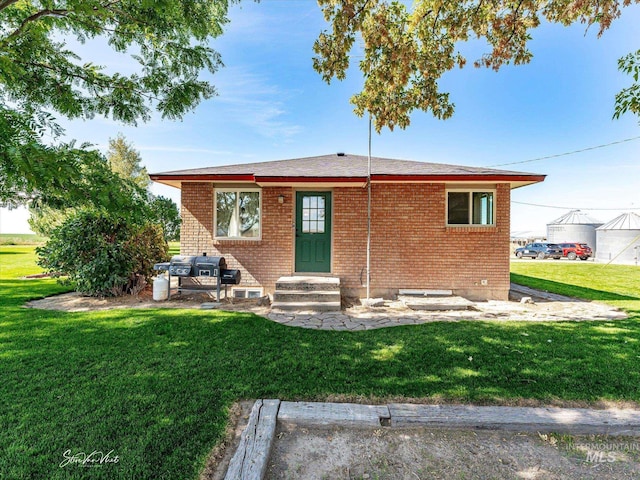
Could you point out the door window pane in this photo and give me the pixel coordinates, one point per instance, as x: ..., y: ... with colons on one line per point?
x: 313, y: 220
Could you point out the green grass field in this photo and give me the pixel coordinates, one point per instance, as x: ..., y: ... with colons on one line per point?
x: 154, y: 386
x: 21, y: 239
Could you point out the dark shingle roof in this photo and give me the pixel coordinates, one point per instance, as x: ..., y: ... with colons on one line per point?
x: 348, y: 166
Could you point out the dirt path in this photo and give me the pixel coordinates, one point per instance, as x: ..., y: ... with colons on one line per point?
x: 422, y: 453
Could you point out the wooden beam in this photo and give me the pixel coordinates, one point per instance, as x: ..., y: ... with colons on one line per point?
x: 538, y: 419
x: 345, y: 414
x: 252, y: 456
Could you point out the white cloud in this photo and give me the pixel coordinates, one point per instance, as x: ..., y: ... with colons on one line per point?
x: 251, y: 100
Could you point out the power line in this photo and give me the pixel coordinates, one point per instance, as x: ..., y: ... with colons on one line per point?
x: 572, y: 208
x: 566, y: 153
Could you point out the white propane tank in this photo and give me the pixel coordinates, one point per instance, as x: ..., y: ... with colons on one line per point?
x: 160, y: 287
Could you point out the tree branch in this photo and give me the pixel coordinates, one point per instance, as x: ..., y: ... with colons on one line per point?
x: 33, y: 18
x: 515, y: 21
x: 101, y: 83
x: 5, y: 3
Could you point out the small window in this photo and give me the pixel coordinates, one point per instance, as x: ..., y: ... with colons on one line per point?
x: 247, y: 292
x: 470, y: 208
x: 237, y: 214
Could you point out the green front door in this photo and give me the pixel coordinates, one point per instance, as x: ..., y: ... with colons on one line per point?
x: 313, y: 231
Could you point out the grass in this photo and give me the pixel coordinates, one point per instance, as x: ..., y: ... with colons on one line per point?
x: 155, y: 385
x: 174, y: 248
x: 617, y: 285
x: 21, y: 239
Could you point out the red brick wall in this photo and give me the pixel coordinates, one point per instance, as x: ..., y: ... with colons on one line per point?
x: 349, y: 243
x: 411, y: 245
x: 257, y: 259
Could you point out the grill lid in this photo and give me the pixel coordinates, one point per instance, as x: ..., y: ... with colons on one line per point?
x: 208, y: 261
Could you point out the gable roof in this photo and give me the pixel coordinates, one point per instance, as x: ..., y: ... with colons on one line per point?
x: 344, y: 169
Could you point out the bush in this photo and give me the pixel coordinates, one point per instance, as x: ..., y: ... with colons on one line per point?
x: 102, y: 253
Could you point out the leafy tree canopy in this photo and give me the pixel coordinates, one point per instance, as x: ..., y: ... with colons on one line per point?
x: 40, y: 76
x: 167, y: 38
x: 407, y: 50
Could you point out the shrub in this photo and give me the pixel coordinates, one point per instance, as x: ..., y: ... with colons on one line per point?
x: 102, y: 253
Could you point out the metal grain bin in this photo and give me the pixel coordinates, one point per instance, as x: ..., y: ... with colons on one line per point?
x: 575, y: 226
x: 619, y: 240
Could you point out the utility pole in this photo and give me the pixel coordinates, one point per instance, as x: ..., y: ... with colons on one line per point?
x: 369, y: 214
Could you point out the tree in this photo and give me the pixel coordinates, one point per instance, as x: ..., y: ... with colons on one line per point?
x: 407, y: 51
x: 130, y: 179
x: 164, y: 212
x: 125, y: 161
x: 39, y: 73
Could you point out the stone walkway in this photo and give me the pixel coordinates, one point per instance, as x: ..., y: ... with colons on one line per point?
x: 360, y: 318
x: 545, y: 307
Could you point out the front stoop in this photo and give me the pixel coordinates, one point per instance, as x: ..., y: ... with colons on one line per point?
x: 307, y: 293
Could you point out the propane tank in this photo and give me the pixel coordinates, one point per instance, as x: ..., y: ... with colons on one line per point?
x: 160, y: 287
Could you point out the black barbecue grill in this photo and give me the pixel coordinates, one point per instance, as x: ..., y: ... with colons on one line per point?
x: 200, y: 266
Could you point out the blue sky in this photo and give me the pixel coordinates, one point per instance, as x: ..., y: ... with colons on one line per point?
x: 272, y: 105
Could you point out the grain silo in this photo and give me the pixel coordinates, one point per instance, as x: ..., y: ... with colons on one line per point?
x: 619, y: 240
x: 575, y: 226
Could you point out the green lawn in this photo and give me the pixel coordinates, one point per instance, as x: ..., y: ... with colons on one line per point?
x: 618, y: 285
x: 174, y: 248
x: 155, y: 385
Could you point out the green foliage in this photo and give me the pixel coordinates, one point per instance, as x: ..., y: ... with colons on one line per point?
x: 164, y: 212
x: 169, y: 38
x: 126, y: 162
x: 39, y: 73
x: 407, y: 50
x: 628, y: 100
x: 58, y: 175
x: 43, y: 219
x: 103, y: 254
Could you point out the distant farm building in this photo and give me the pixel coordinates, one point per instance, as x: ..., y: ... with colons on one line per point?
x: 619, y: 240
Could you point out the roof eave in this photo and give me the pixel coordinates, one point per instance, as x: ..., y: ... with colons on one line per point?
x: 515, y: 181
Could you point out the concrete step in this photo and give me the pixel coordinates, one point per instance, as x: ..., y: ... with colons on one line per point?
x: 426, y: 293
x: 306, y: 296
x: 307, y: 306
x: 301, y: 282
x: 437, y: 303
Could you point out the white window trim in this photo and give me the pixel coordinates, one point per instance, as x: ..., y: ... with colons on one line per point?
x: 215, y: 212
x: 470, y: 191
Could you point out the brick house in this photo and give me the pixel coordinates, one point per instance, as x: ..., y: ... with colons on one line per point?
x: 433, y: 226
